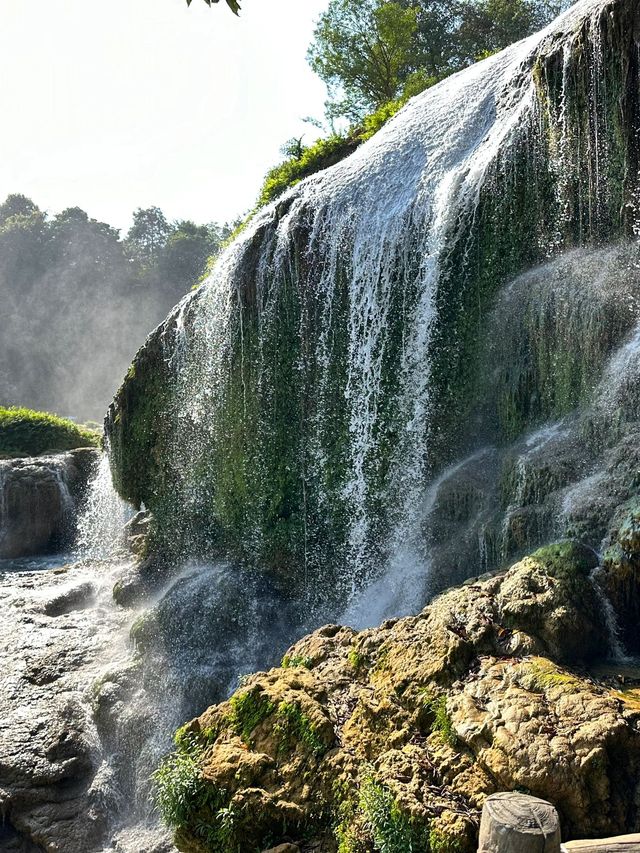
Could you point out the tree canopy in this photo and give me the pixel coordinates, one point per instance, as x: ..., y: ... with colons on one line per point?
x: 84, y: 299
x: 371, y: 52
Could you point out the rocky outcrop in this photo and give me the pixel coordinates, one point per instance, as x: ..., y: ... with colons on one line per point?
x: 397, y: 734
x: 39, y: 499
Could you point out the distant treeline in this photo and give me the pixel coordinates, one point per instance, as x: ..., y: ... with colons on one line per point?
x: 76, y: 300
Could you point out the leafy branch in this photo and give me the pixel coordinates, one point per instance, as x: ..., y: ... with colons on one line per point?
x: 234, y: 5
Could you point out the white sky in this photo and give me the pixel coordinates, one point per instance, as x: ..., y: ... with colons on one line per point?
x: 128, y: 103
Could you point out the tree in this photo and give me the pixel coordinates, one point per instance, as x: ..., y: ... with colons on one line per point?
x: 490, y: 25
x: 362, y: 51
x: 370, y: 52
x: 148, y: 235
x: 186, y: 252
x: 17, y: 205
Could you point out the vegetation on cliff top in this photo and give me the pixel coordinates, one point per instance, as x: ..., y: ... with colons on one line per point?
x: 374, y: 55
x: 24, y: 432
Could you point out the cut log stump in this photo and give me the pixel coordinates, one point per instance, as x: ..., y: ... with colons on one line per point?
x: 517, y: 823
x: 620, y: 844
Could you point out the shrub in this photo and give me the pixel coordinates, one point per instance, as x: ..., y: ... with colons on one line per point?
x: 24, y: 432
x: 442, y: 721
x: 391, y: 830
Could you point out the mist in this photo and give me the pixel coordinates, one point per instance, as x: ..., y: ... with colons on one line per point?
x: 78, y: 301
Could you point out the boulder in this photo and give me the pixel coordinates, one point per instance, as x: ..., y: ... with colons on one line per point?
x: 414, y: 724
x: 39, y: 499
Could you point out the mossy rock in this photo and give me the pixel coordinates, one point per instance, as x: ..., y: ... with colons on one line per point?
x: 463, y: 700
x: 24, y: 432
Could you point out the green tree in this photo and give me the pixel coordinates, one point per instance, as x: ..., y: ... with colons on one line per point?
x: 17, y: 204
x: 362, y: 49
x: 487, y: 26
x: 370, y: 52
x: 186, y: 252
x: 147, y: 236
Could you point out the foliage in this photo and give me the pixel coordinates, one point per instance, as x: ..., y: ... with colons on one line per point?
x: 148, y: 235
x: 289, y: 661
x: 178, y: 784
x: 367, y: 51
x: 391, y: 830
x: 320, y: 155
x: 362, y: 51
x: 78, y: 300
x: 24, y: 432
x: 234, y: 5
x: 442, y: 721
x: 293, y: 726
x: 187, y: 801
x: 248, y: 710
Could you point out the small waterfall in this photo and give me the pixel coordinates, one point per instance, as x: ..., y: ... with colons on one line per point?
x: 403, y: 588
x: 524, y: 491
x: 100, y: 526
x: 618, y: 652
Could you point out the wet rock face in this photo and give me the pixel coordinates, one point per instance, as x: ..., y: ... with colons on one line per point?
x: 411, y: 725
x: 70, y: 734
x: 39, y: 498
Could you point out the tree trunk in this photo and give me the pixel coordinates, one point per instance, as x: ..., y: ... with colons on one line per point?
x: 516, y: 823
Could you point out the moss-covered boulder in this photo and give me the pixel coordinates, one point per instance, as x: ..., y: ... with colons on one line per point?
x: 24, y: 432
x: 395, y: 735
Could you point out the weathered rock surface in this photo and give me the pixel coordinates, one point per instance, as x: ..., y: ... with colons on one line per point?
x: 405, y: 729
x: 39, y: 498
x: 60, y: 645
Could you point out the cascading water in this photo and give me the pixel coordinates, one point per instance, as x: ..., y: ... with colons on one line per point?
x: 306, y: 395
x: 304, y: 413
x: 100, y: 528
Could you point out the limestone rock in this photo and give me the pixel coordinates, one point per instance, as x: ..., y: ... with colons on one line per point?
x: 416, y: 722
x: 39, y: 498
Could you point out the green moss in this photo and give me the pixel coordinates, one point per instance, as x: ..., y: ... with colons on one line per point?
x: 24, y: 432
x: 441, y: 842
x: 293, y: 726
x: 356, y: 659
x: 566, y: 560
x: 248, y: 710
x: 540, y: 675
x: 289, y: 661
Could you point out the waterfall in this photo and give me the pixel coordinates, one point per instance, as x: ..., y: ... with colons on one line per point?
x: 616, y: 647
x: 100, y: 527
x: 300, y: 404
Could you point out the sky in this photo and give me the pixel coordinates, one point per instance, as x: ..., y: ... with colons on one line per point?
x: 115, y: 105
